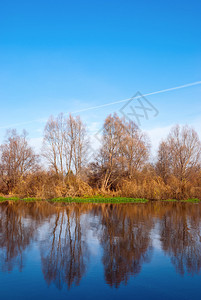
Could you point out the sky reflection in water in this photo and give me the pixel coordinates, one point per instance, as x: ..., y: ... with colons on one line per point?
x: 141, y: 251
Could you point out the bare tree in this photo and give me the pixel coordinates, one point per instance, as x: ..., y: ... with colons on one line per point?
x: 109, y: 152
x: 137, y: 148
x: 79, y: 143
x: 17, y: 158
x: 54, y: 137
x: 124, y: 150
x: 65, y: 144
x: 163, y: 161
x: 180, y: 154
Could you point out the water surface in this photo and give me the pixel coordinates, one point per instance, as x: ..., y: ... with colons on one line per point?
x: 91, y: 251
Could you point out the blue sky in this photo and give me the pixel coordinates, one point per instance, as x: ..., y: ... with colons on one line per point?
x: 63, y: 56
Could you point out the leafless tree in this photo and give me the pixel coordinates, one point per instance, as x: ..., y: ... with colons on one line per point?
x: 17, y: 158
x: 124, y: 150
x: 65, y: 144
x: 180, y: 154
x: 54, y: 137
x: 163, y: 161
x: 137, y: 148
x: 79, y: 143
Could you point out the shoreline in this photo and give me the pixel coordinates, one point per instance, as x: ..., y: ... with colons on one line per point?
x: 96, y: 200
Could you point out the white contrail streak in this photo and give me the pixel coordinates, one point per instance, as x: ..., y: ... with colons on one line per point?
x: 140, y: 96
x: 111, y: 103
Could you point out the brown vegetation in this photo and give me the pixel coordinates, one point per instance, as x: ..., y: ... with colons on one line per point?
x: 120, y: 167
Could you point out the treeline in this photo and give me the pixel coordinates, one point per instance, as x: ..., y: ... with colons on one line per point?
x: 121, y: 166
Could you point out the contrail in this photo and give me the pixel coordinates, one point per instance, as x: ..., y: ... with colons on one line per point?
x: 111, y: 103
x: 140, y: 96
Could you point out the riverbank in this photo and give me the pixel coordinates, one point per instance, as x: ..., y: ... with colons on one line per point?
x: 95, y: 199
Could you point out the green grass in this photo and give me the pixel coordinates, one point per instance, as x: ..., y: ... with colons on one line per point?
x: 94, y: 199
x: 99, y: 199
x: 2, y: 199
x: 193, y: 200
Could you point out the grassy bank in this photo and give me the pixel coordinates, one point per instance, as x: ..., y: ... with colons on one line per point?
x: 94, y: 199
x: 100, y: 199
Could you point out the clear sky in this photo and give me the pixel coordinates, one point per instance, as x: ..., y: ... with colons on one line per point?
x: 63, y: 56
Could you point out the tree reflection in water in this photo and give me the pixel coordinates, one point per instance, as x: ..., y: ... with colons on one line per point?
x: 64, y: 253
x: 125, y: 233
x: 125, y: 238
x: 180, y: 231
x: 17, y: 230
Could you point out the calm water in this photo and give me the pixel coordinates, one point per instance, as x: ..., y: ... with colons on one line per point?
x: 135, y: 251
